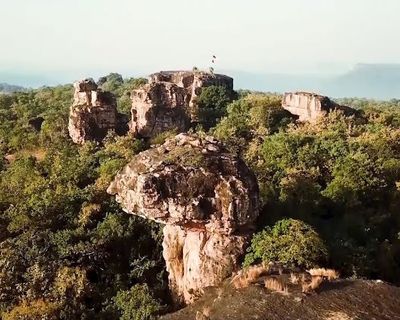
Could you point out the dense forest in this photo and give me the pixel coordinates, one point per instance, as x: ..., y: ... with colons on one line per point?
x: 68, y: 251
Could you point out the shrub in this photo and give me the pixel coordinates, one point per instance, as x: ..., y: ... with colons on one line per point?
x: 212, y: 103
x: 36, y: 310
x: 291, y: 242
x: 163, y: 136
x: 137, y: 303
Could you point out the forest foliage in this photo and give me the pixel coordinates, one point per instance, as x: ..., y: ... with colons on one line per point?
x: 68, y: 250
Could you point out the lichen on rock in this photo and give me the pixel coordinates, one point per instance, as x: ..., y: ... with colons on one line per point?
x: 208, y: 199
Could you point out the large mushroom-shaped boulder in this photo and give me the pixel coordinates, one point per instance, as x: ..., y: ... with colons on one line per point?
x: 208, y: 199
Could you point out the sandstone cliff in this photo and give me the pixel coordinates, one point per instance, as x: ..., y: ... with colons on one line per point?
x: 309, y: 106
x: 92, y: 114
x: 207, y: 198
x: 168, y: 101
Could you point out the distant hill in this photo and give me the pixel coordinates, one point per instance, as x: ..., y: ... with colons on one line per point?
x: 375, y: 81
x: 9, y: 88
x: 368, y: 80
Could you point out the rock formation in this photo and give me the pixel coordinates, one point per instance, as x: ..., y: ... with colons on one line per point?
x: 207, y: 198
x: 168, y: 101
x: 92, y: 114
x: 310, y: 106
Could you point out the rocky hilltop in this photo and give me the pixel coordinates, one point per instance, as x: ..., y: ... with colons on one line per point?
x: 208, y: 199
x: 168, y: 101
x: 93, y: 112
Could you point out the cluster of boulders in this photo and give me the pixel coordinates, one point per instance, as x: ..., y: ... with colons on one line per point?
x: 206, y: 197
x: 167, y: 102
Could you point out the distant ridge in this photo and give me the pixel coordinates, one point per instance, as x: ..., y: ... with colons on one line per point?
x: 9, y: 88
x: 374, y: 81
x: 381, y: 81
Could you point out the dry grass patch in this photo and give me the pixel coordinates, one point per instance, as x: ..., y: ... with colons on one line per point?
x: 330, y: 274
x: 276, y: 285
x: 308, y: 287
x: 309, y: 280
x: 295, y: 278
x: 204, y: 314
x: 248, y: 276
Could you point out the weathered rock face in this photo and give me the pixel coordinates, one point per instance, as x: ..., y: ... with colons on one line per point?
x: 92, y: 114
x: 168, y: 101
x: 308, y: 106
x: 207, y: 198
x: 159, y: 107
x: 198, y: 259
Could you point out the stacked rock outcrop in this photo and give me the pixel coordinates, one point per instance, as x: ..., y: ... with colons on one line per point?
x: 92, y: 114
x: 168, y: 101
x: 208, y: 200
x: 310, y: 106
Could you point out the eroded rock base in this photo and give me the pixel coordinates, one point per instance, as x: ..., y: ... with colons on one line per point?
x: 197, y: 259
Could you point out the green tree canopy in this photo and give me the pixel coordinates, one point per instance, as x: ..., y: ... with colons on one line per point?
x: 291, y: 242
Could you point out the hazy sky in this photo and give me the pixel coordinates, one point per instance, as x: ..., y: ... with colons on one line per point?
x: 149, y: 35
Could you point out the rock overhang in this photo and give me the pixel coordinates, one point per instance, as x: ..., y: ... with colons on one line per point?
x: 187, y: 181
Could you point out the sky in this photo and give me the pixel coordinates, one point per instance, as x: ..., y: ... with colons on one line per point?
x: 78, y: 37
